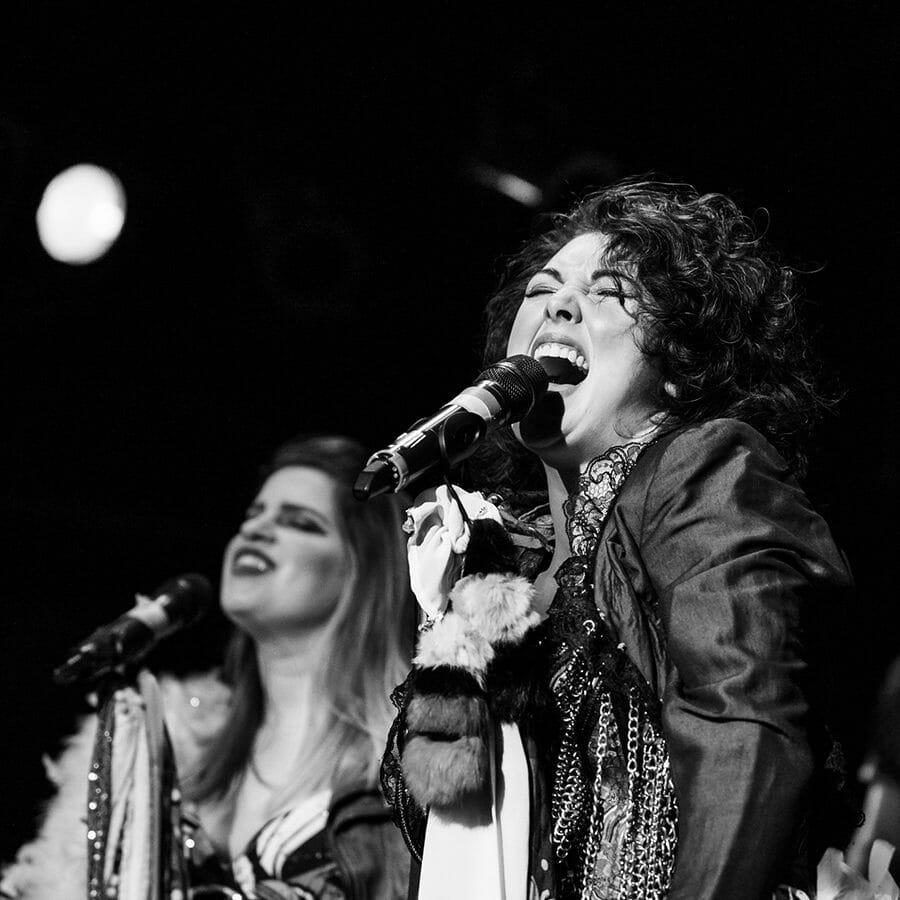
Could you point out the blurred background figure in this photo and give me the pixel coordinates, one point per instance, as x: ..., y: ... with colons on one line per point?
x: 881, y: 775
x: 278, y: 759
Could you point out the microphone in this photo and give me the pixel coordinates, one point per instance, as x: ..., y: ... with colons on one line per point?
x: 178, y: 602
x: 503, y: 393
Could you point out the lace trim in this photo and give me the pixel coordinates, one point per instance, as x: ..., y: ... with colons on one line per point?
x: 586, y: 510
x: 408, y: 816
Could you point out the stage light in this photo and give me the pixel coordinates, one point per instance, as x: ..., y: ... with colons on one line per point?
x: 506, y: 183
x: 81, y: 214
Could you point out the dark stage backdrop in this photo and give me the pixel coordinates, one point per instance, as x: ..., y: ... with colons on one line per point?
x: 310, y: 241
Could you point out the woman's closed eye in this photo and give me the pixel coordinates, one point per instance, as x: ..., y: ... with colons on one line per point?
x: 604, y: 291
x: 601, y: 293
x: 299, y: 521
x: 540, y: 290
x: 288, y: 517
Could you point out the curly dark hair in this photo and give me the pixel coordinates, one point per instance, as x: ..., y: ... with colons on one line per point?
x: 719, y: 311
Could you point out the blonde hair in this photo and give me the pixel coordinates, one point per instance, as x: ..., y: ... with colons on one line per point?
x: 367, y: 648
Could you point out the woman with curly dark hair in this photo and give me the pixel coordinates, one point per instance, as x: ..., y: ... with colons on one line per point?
x: 718, y: 316
x: 679, y: 750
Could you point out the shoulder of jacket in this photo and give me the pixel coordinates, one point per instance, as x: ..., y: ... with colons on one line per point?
x: 694, y: 444
x: 357, y: 803
x: 687, y: 449
x: 709, y: 435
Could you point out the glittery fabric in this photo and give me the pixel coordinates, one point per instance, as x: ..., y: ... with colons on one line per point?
x: 133, y: 816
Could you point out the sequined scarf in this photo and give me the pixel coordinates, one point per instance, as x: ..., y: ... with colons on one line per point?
x: 133, y: 819
x: 613, y: 811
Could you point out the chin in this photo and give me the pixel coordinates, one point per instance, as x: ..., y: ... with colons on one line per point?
x: 236, y: 613
x: 238, y: 601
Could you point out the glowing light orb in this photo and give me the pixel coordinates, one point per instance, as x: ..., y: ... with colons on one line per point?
x: 81, y: 214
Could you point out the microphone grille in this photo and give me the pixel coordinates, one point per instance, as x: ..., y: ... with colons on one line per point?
x: 189, y: 597
x: 520, y: 379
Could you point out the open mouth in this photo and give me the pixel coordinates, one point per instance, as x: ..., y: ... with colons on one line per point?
x: 249, y: 561
x: 563, y: 363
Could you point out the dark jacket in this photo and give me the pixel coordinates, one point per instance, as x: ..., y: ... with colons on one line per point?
x: 367, y: 847
x: 708, y: 565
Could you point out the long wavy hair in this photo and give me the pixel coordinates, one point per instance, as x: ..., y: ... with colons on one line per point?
x: 719, y: 313
x: 369, y: 640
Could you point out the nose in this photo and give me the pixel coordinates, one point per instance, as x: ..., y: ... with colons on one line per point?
x: 563, y: 305
x: 259, y: 528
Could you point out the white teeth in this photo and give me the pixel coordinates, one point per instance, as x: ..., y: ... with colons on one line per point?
x: 562, y: 351
x: 250, y: 562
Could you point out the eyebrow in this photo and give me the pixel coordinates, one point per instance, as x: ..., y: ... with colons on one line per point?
x: 595, y: 275
x: 553, y: 273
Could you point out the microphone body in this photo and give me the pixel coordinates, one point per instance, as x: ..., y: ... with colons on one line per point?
x: 503, y: 393
x: 175, y: 604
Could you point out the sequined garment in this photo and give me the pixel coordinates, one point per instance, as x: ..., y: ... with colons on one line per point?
x: 133, y: 809
x: 613, y: 810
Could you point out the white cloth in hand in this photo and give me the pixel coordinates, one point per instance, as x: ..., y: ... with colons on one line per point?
x: 438, y: 539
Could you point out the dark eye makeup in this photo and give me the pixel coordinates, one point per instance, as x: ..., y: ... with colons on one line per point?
x: 289, y: 516
x: 299, y: 520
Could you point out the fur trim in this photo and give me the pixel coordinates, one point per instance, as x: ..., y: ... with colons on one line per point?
x: 452, y: 716
x: 445, y: 682
x: 513, y: 690
x: 498, y: 606
x: 451, y: 642
x: 438, y: 773
x: 490, y: 549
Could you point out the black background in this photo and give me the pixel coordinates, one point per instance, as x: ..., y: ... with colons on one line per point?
x: 307, y: 249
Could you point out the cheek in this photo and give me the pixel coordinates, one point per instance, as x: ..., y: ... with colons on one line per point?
x: 228, y: 548
x: 319, y: 571
x: 614, y: 344
x: 226, y: 556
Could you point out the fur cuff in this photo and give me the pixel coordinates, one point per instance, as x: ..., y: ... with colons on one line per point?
x: 485, y: 641
x: 450, y: 716
x: 452, y: 642
x: 497, y: 606
x: 439, y: 773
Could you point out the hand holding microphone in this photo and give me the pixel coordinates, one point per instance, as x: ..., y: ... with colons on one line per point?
x: 503, y: 393
x: 179, y: 602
